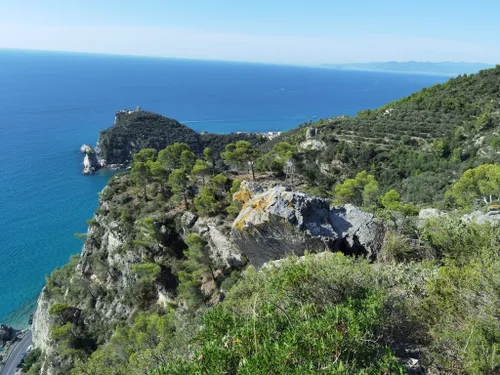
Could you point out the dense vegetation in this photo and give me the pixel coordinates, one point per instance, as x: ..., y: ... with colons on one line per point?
x: 428, y: 301
x: 418, y: 145
x: 334, y: 315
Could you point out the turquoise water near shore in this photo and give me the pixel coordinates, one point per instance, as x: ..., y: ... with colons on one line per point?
x: 51, y: 103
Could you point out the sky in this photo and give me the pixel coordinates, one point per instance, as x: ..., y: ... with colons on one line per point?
x: 273, y: 31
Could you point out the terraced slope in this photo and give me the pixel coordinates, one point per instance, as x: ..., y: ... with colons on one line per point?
x: 418, y: 145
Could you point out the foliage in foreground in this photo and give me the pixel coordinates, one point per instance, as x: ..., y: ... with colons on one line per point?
x: 315, y: 316
x: 332, y: 314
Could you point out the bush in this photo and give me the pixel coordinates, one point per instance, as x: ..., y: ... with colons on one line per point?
x: 31, y: 358
x: 206, y: 204
x: 310, y: 316
x: 396, y: 248
x: 457, y: 239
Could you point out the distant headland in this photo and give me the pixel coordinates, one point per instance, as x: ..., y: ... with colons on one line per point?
x: 135, y: 129
x: 436, y: 68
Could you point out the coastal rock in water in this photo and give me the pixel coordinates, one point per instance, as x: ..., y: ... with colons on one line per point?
x: 7, y: 333
x: 278, y: 222
x: 85, y: 149
x: 90, y: 163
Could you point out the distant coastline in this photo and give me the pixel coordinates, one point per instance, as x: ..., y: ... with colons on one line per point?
x: 450, y: 69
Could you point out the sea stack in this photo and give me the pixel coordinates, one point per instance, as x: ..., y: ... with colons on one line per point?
x: 90, y: 163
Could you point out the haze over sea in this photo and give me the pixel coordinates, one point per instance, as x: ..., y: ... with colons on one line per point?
x: 51, y: 103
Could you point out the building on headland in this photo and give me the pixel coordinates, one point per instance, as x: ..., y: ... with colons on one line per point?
x: 272, y: 135
x: 124, y: 112
x: 268, y: 135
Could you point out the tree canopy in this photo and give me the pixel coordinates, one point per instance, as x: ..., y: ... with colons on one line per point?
x: 240, y: 153
x: 480, y: 183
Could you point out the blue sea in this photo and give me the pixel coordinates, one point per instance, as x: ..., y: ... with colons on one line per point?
x: 51, y: 103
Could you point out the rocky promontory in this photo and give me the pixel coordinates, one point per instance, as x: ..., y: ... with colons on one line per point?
x: 137, y: 129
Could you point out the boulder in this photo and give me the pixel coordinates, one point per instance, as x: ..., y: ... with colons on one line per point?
x: 492, y: 216
x: 313, y: 144
x: 278, y: 223
x: 188, y: 219
x: 427, y: 213
x: 7, y: 333
x: 248, y: 189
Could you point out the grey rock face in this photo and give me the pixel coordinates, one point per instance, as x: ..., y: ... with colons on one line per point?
x: 313, y: 144
x: 223, y: 250
x: 41, y: 323
x: 188, y: 219
x: 277, y: 223
x: 311, y: 133
x: 491, y: 217
x: 86, y: 149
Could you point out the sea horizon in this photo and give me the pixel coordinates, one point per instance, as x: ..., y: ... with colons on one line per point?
x: 312, y: 66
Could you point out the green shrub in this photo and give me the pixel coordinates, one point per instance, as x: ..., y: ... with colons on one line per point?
x: 317, y: 315
x: 206, y: 203
x: 456, y: 239
x: 31, y: 358
x: 396, y: 248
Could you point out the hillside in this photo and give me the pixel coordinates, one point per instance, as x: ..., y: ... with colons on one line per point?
x: 417, y: 145
x: 440, y: 68
x: 293, y: 256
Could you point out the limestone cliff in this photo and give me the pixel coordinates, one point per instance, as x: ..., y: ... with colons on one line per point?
x: 105, y: 286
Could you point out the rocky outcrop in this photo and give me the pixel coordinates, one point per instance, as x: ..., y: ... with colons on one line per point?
x: 90, y: 162
x: 223, y: 250
x: 278, y: 223
x: 492, y: 216
x: 7, y: 333
x: 310, y: 143
x: 41, y: 323
x: 313, y: 144
x: 104, y: 272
